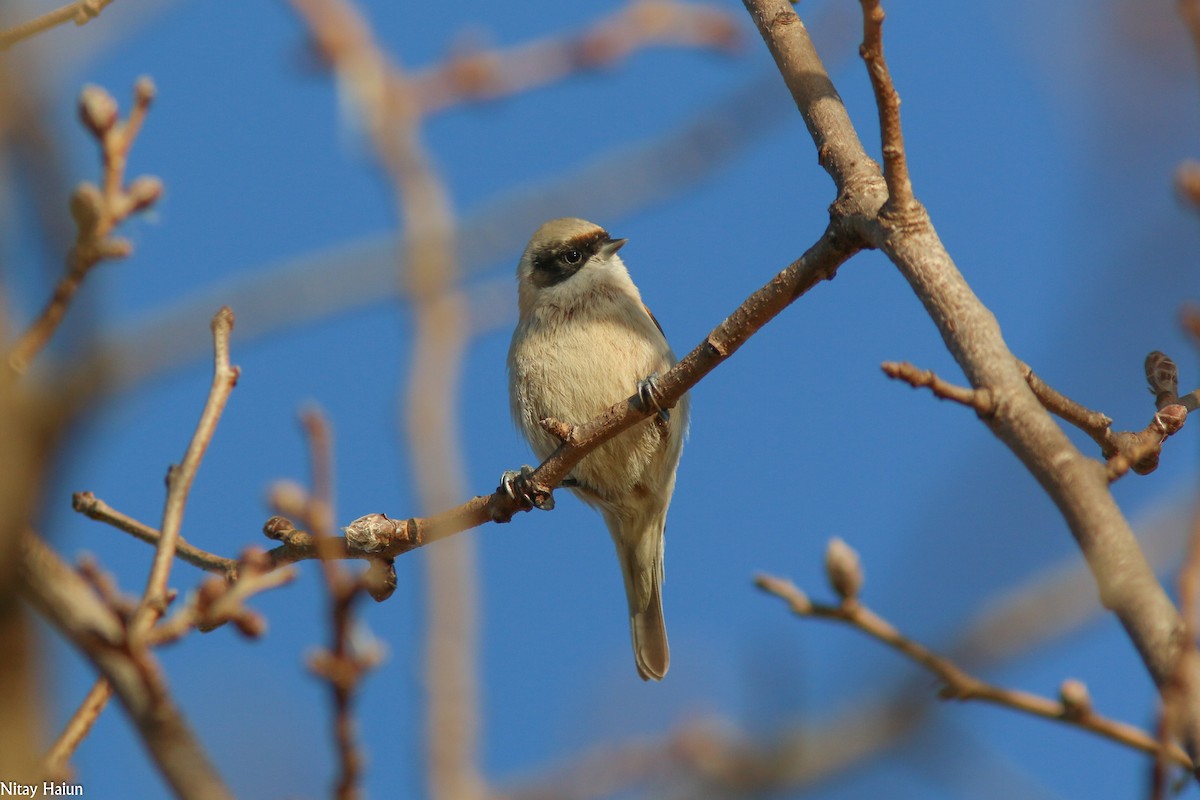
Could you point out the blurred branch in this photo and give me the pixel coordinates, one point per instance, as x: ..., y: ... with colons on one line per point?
x: 58, y: 759
x: 903, y: 231
x: 271, y: 299
x: 66, y: 600
x: 384, y: 94
x: 1189, y: 10
x: 80, y: 12
x: 473, y: 74
x: 1072, y: 708
x: 1177, y: 690
x: 343, y: 664
x: 221, y: 600
x: 97, y: 210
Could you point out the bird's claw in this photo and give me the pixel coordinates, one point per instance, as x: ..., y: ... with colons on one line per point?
x: 649, y: 394
x: 526, y: 492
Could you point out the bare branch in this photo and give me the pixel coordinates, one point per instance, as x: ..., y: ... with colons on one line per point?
x: 57, y: 765
x: 978, y: 399
x: 1176, y: 692
x: 79, y: 11
x: 394, y: 537
x: 472, y: 73
x: 222, y: 600
x: 180, y: 477
x: 895, y: 161
x: 1076, y: 484
x: 1093, y: 423
x: 362, y: 273
x: 68, y: 603
x: 93, y: 507
x: 97, y: 210
x: 1072, y: 708
x: 342, y: 665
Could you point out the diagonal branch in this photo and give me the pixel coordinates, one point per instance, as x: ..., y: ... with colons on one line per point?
x: 66, y: 600
x: 376, y: 534
x: 1077, y: 485
x: 93, y: 507
x: 180, y: 477
x: 1073, y: 708
x: 978, y: 399
x: 79, y: 11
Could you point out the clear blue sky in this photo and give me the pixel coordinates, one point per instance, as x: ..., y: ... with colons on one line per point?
x: 1043, y: 141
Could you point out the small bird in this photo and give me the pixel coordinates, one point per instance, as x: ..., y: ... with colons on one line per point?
x: 585, y: 340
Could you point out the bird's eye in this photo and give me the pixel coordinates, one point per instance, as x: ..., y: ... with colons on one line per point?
x: 572, y: 256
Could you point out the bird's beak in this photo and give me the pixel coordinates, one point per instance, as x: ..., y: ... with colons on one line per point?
x: 611, y: 246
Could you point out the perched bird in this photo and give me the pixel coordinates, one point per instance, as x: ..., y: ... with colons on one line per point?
x: 585, y: 340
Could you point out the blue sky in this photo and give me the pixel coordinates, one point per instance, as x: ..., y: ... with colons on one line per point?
x: 1043, y: 142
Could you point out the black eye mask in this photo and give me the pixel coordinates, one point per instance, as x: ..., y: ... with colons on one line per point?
x: 561, y: 260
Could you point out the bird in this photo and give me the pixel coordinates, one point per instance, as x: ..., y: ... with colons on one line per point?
x: 584, y: 340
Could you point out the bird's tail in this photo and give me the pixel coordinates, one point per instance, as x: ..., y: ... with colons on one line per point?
x: 649, y: 632
x: 640, y: 551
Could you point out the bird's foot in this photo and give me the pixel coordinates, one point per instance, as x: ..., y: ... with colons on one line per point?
x: 527, y: 493
x: 649, y: 394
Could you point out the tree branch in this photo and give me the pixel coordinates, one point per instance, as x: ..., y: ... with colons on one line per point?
x: 1073, y: 708
x: 1076, y: 484
x: 180, y: 477
x: 977, y: 399
x: 67, y: 602
x: 93, y: 507
x: 895, y: 160
x: 80, y: 12
x: 97, y: 210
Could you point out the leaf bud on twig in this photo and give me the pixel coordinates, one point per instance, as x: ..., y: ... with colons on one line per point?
x: 144, y: 192
x: 97, y: 110
x: 843, y: 569
x: 1163, y: 377
x: 1077, y: 703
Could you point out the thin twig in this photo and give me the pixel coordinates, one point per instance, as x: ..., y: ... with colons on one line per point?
x: 342, y: 665
x: 1073, y: 709
x: 80, y: 12
x: 219, y: 601
x: 180, y: 477
x: 978, y: 399
x: 392, y: 537
x: 93, y: 507
x: 473, y: 73
x: 895, y: 161
x: 1093, y: 423
x: 58, y: 758
x: 97, y: 210
x: 1124, y: 450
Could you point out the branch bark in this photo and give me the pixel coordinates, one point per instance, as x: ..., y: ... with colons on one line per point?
x: 1077, y: 485
x: 69, y: 604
